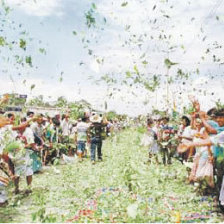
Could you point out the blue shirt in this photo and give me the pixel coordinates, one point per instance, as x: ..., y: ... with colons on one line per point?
x: 217, y: 150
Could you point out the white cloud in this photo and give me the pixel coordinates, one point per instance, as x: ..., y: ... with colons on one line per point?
x: 38, y: 7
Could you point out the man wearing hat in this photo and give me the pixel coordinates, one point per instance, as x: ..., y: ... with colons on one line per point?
x: 96, y: 130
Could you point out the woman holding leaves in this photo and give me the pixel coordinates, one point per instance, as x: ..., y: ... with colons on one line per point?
x: 185, y: 135
x: 202, y: 164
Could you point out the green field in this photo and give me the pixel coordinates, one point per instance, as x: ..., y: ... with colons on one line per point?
x: 122, y: 188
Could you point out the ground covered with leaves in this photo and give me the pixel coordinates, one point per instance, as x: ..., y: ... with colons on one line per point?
x: 122, y: 188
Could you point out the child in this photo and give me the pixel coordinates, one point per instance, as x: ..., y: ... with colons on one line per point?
x: 153, y: 147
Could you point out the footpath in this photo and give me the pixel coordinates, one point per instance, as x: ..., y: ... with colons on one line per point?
x: 122, y: 188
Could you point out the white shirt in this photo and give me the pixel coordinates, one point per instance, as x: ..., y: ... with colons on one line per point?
x: 65, y: 127
x: 37, y: 129
x: 28, y: 133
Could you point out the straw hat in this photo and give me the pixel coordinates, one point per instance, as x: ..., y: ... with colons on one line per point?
x: 96, y: 119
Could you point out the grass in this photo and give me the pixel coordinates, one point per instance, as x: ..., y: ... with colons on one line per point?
x: 122, y: 188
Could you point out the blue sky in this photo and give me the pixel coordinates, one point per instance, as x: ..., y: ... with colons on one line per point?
x: 53, y: 21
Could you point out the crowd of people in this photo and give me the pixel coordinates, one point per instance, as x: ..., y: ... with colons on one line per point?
x: 30, y: 142
x: 197, y: 141
x: 33, y: 141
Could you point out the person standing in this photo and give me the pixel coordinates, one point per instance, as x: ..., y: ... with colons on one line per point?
x: 81, y: 136
x: 96, y: 130
x: 65, y: 126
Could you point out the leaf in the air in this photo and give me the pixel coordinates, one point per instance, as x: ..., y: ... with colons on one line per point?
x: 74, y: 32
x: 2, y: 41
x: 124, y: 4
x: 29, y: 60
x: 93, y: 5
x: 169, y: 63
x: 166, y: 16
x: 32, y: 87
x: 22, y: 44
x: 42, y: 51
x: 136, y: 69
x: 128, y: 74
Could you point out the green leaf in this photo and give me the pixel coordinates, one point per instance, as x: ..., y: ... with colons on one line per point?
x: 29, y: 60
x: 32, y: 87
x: 2, y: 41
x: 42, y: 51
x: 136, y: 70
x: 128, y: 74
x: 169, y: 63
x: 22, y: 44
x: 74, y: 33
x: 197, y: 71
x: 166, y: 16
x: 93, y: 5
x: 124, y: 4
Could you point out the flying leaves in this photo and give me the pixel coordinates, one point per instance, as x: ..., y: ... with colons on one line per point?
x: 2, y: 41
x: 61, y: 77
x: 90, y: 19
x: 74, y: 33
x: 124, y: 4
x: 22, y: 44
x: 32, y: 87
x: 169, y: 63
x: 29, y: 60
x: 93, y: 5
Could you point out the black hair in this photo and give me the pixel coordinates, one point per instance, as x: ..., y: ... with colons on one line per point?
x: 29, y: 113
x: 83, y: 119
x: 149, y: 121
x: 166, y: 118
x: 212, y: 111
x: 23, y: 119
x: 55, y: 121
x: 10, y: 115
x: 219, y: 113
x: 188, y: 121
